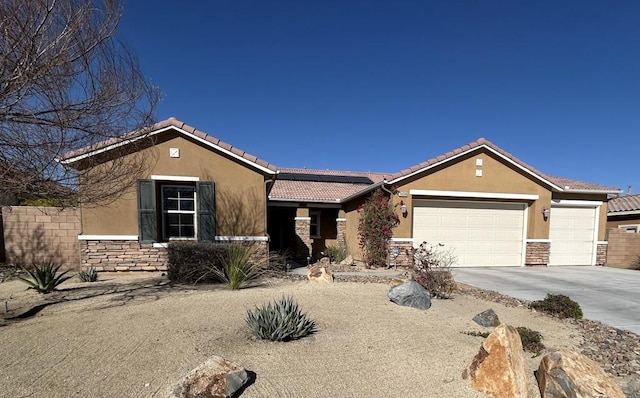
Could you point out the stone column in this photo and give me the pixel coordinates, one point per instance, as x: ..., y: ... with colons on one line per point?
x: 537, y: 253
x: 601, y: 253
x: 401, y: 252
x: 341, y: 227
x: 303, y: 234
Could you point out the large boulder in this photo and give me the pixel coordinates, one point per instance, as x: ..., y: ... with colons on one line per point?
x: 319, y: 274
x: 216, y: 378
x: 487, y: 318
x: 498, y: 369
x: 410, y: 294
x: 569, y: 374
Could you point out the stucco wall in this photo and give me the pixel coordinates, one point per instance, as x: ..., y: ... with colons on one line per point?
x: 240, y: 190
x: 613, y: 222
x: 39, y: 234
x: 497, y: 177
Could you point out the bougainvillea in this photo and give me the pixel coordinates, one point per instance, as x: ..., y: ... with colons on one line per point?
x: 377, y: 220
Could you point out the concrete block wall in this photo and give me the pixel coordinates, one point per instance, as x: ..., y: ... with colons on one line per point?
x: 39, y: 234
x: 623, y: 249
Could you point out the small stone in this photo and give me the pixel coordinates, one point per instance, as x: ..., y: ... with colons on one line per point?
x: 216, y: 378
x: 487, y: 318
x: 319, y: 274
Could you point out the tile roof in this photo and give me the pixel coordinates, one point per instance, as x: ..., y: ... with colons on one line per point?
x: 624, y: 204
x: 313, y: 191
x: 574, y: 185
x: 72, y: 156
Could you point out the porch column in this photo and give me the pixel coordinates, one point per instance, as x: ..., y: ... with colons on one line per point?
x: 341, y: 227
x: 303, y: 233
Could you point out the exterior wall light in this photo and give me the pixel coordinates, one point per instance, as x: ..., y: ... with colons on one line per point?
x: 403, y: 208
x: 545, y: 213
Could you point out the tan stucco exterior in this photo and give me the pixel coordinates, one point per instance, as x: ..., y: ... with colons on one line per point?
x: 497, y: 177
x: 240, y: 190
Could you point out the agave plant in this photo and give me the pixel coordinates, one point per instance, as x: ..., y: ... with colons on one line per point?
x: 88, y: 275
x: 45, y: 277
x: 280, y: 320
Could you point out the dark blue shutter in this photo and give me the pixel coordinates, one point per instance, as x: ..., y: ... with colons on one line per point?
x: 147, y: 213
x: 206, y: 210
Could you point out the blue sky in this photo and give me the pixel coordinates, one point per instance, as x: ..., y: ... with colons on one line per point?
x: 383, y: 85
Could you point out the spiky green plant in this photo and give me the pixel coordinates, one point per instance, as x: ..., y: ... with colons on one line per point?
x: 236, y: 266
x: 280, y: 320
x: 45, y: 277
x: 88, y: 275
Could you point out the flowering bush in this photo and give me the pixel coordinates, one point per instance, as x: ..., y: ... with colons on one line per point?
x: 432, y: 269
x: 377, y: 219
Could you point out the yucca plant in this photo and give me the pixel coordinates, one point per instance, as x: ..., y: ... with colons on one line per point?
x: 280, y: 320
x: 236, y: 267
x: 45, y: 277
x: 88, y: 275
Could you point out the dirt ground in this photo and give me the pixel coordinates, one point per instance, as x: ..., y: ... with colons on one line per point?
x: 135, y: 335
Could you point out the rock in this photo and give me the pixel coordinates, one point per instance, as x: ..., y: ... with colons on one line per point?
x: 410, y: 294
x: 216, y: 378
x: 487, y: 318
x: 324, y: 261
x: 498, y: 369
x: 347, y: 261
x: 319, y: 274
x: 570, y: 374
x: 631, y: 386
x: 396, y: 282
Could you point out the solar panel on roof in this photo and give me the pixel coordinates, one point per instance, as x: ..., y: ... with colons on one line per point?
x: 324, y: 178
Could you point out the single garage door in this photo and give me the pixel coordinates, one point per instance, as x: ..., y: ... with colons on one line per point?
x: 572, y: 231
x: 480, y: 233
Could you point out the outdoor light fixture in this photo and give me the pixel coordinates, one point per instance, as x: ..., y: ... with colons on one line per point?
x: 545, y: 213
x: 403, y: 208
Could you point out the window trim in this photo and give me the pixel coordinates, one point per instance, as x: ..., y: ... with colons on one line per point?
x: 627, y: 228
x: 316, y: 213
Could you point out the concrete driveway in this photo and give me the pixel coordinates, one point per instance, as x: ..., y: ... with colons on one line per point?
x: 609, y: 295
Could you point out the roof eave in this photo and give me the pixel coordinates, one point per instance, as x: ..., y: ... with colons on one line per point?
x: 331, y: 201
x: 592, y: 191
x: 623, y: 213
x: 369, y: 188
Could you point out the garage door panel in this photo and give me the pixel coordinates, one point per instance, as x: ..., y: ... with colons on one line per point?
x: 478, y: 233
x: 572, y: 233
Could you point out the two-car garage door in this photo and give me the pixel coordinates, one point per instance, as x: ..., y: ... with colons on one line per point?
x: 479, y: 233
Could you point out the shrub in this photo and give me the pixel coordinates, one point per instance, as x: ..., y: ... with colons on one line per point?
x: 45, y: 277
x: 432, y: 269
x: 531, y: 340
x: 477, y: 334
x: 279, y: 261
x: 193, y: 262
x: 377, y: 219
x: 558, y: 305
x: 236, y: 266
x: 88, y: 275
x: 280, y: 320
x: 336, y: 253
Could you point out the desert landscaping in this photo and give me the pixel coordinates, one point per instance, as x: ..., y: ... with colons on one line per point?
x: 136, y: 335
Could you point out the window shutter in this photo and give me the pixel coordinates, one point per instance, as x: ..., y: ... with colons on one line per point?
x: 206, y: 210
x: 147, y: 214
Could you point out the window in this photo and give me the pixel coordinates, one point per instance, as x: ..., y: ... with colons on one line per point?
x: 632, y: 229
x: 314, y: 230
x: 178, y: 212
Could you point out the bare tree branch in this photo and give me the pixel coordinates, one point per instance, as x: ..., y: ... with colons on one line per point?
x: 68, y: 82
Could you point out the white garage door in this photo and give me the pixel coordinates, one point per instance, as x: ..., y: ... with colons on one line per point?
x: 572, y: 231
x: 480, y: 233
